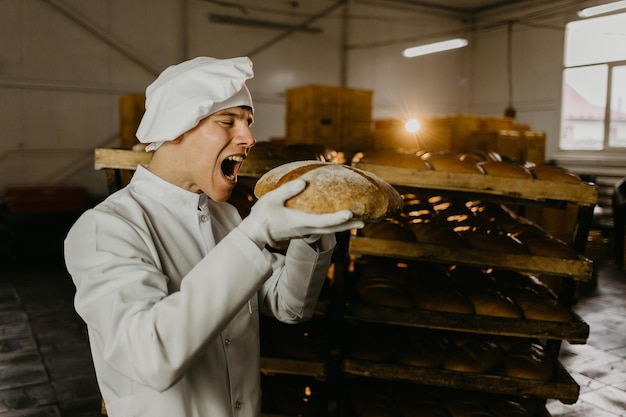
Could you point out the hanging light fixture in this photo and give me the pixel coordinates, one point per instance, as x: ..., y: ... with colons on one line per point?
x: 432, y: 48
x: 601, y: 9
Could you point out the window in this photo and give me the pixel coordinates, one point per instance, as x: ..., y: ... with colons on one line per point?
x: 593, y: 111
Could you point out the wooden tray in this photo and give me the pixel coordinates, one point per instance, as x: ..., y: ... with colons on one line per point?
x: 562, y: 387
x: 128, y: 159
x: 579, y: 269
x: 519, y: 188
x: 120, y: 158
x: 280, y: 366
x: 575, y: 332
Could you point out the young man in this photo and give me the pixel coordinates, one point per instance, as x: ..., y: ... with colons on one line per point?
x: 170, y: 280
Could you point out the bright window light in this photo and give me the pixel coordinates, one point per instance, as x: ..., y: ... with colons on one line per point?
x: 603, y: 8
x: 432, y: 48
x: 412, y: 126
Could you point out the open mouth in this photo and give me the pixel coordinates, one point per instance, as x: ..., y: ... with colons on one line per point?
x: 230, y: 167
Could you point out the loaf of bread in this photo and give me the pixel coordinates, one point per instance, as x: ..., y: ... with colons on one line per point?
x: 482, y: 291
x: 451, y: 163
x: 333, y: 187
x: 505, y: 169
x: 383, y: 292
x: 529, y: 361
x: 554, y: 173
x: 502, y: 407
x: 535, y: 299
x: 549, y: 246
x: 438, y: 293
x: 389, y: 229
x: 477, y: 356
x: 492, y: 239
x: 423, y: 350
x: 437, y: 233
x: 391, y: 158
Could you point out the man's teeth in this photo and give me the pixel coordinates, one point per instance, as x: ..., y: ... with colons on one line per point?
x: 236, y: 159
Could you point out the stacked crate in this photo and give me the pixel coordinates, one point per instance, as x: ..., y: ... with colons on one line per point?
x: 339, y: 118
x: 464, y: 133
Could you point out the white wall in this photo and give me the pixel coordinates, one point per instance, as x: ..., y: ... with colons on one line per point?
x: 64, y: 64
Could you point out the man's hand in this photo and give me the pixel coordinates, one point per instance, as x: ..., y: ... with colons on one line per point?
x: 270, y: 221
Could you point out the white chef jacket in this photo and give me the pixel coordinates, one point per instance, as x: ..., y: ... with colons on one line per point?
x: 170, y: 291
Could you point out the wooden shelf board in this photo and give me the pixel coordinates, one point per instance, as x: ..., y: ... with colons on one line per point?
x: 562, y: 387
x: 519, y: 188
x: 282, y: 366
x: 575, y: 332
x: 579, y: 269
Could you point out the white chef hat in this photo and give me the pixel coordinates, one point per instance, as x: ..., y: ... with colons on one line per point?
x: 188, y: 92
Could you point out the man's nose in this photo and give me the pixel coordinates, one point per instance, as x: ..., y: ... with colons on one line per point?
x: 245, y: 137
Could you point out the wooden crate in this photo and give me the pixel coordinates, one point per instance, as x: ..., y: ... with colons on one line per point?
x: 534, y: 146
x: 391, y: 134
x: 461, y: 127
x: 337, y: 117
x: 131, y: 109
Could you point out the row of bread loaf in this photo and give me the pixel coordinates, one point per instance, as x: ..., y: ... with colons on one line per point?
x: 456, y: 289
x: 512, y: 357
x: 477, y: 224
x: 377, y: 399
x: 488, y: 163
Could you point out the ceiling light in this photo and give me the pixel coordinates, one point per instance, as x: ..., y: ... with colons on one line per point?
x: 603, y: 8
x: 412, y: 126
x: 432, y: 48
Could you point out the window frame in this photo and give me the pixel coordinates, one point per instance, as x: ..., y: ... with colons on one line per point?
x: 606, y: 148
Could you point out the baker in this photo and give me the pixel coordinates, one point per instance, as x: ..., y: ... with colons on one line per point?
x: 170, y: 280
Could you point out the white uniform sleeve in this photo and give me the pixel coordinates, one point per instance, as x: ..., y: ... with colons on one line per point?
x: 145, y: 332
x: 292, y: 292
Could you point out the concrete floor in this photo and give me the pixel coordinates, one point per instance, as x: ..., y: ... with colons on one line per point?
x: 46, y: 371
x: 599, y: 366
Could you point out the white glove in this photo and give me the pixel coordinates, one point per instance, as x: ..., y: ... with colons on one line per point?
x: 270, y: 221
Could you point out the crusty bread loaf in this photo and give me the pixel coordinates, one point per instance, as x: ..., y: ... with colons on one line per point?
x: 555, y: 173
x: 439, y: 294
x: 505, y: 169
x: 494, y: 240
x: 548, y: 246
x: 451, y: 163
x: 389, y: 229
x: 437, y: 233
x: 538, y: 306
x: 477, y: 356
x: 333, y: 187
x: 383, y: 292
x: 529, y: 361
x: 391, y: 158
x: 423, y: 350
x: 504, y: 407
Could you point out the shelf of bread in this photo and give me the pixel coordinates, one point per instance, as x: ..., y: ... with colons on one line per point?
x: 464, y: 299
x: 575, y: 331
x: 579, y: 269
x: 561, y: 387
x: 395, y: 399
x: 476, y: 180
x: 284, y: 366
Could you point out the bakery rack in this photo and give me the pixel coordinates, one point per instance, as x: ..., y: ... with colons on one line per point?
x: 503, y: 190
